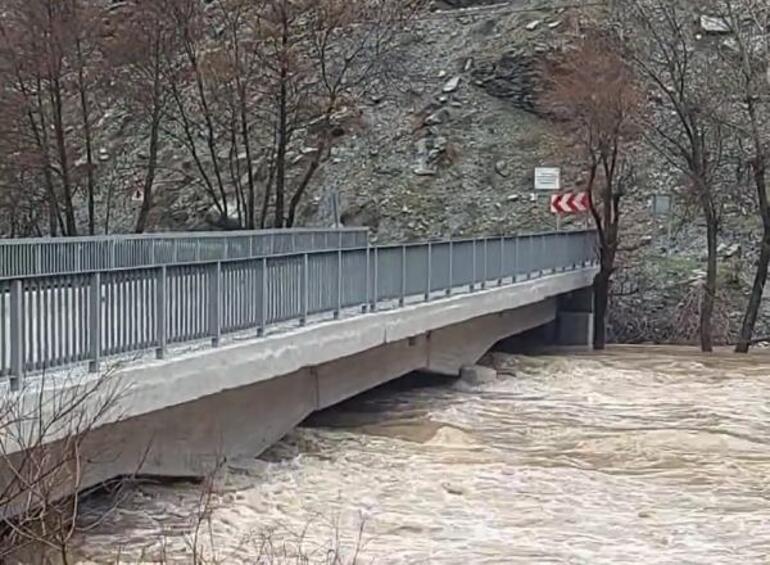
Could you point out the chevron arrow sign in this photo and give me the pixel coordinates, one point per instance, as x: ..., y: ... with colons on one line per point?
x: 569, y: 203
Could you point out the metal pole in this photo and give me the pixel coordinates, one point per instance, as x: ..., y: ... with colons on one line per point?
x: 338, y: 310
x: 215, y: 302
x: 402, y: 295
x: 530, y: 262
x: 375, y: 282
x: 368, y: 280
x: 451, y: 267
x: 542, y: 255
x: 473, y: 260
x: 502, y: 261
x: 428, y: 272
x: 263, y: 300
x: 160, y: 312
x: 17, y: 334
x: 515, y: 267
x: 486, y: 264
x: 305, y: 288
x: 94, y: 322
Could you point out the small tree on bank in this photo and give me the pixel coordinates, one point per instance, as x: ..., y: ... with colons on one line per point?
x: 594, y: 92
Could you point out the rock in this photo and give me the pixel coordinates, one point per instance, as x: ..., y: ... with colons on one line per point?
x: 452, y: 84
x: 554, y: 25
x: 501, y: 168
x: 533, y: 25
x: 476, y: 374
x: 454, y: 489
x: 436, y: 118
x: 423, y: 170
x: 729, y: 251
x: 513, y: 197
x: 714, y: 24
x: 442, y: 73
x: 468, y: 64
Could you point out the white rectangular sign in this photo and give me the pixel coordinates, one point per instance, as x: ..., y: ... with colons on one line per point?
x: 547, y: 178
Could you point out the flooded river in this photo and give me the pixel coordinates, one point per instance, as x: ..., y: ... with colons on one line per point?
x: 639, y: 455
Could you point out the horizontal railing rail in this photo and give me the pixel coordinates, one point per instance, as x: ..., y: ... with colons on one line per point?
x: 58, y: 256
x: 50, y: 322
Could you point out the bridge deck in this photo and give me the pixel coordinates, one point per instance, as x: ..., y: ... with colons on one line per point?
x: 50, y: 323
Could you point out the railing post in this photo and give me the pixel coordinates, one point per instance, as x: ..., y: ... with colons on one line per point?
x: 375, y: 276
x: 94, y: 322
x: 451, y: 267
x: 160, y: 312
x: 501, y: 272
x: 486, y: 264
x: 305, y: 287
x: 531, y: 264
x: 215, y: 304
x: 428, y: 274
x: 402, y: 293
x: 17, y: 334
x: 515, y: 267
x: 473, y: 261
x: 338, y: 309
x: 543, y: 255
x: 263, y: 300
x: 368, y: 282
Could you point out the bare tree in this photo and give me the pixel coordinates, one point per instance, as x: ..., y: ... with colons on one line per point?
x: 684, y: 128
x: 42, y: 467
x: 593, y: 90
x: 48, y: 61
x: 140, y: 52
x: 746, y: 56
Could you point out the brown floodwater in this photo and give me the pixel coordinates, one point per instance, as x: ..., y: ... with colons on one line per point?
x: 639, y: 455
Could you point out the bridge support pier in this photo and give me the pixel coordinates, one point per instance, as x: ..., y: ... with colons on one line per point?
x: 575, y: 318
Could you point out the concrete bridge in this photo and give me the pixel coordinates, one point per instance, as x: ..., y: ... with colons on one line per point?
x: 218, y: 357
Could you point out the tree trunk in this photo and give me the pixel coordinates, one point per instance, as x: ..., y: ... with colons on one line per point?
x: 760, y: 277
x: 86, y: 117
x: 280, y: 164
x: 601, y: 305
x: 149, y: 179
x: 58, y: 124
x: 755, y: 300
x: 710, y: 289
x: 283, y: 127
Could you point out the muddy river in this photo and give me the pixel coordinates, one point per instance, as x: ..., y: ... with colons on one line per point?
x: 639, y: 455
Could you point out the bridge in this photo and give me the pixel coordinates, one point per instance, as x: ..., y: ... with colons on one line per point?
x: 220, y: 344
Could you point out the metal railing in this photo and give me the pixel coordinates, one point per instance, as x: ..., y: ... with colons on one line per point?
x: 50, y: 322
x: 56, y: 256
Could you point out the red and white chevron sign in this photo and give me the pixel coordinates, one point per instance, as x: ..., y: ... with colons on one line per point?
x: 569, y: 203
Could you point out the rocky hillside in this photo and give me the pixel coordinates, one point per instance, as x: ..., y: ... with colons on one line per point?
x: 450, y: 149
x: 455, y: 153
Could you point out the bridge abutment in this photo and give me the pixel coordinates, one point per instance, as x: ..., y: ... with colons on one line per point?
x: 575, y: 319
